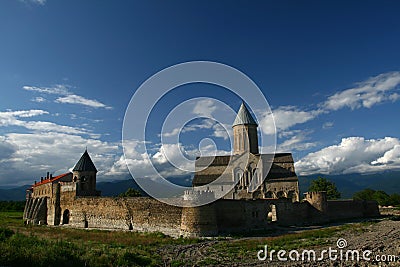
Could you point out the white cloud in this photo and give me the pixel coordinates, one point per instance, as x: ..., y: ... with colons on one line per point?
x: 353, y: 155
x: 327, y: 125
x: 222, y: 131
x: 296, y: 142
x: 205, y: 108
x: 76, y: 99
x: 285, y: 117
x: 66, y: 96
x: 36, y: 2
x: 58, y: 89
x: 33, y: 154
x: 366, y: 94
x: 391, y: 156
x: 38, y: 99
x: 11, y: 118
x: 22, y: 113
x: 218, y: 129
x: 39, y: 2
x: 168, y: 159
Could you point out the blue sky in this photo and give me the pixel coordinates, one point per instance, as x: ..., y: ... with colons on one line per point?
x: 329, y: 70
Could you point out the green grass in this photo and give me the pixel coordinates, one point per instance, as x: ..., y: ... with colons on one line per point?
x: 56, y: 246
x: 11, y: 218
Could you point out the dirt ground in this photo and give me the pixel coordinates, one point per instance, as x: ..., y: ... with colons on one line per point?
x: 381, y: 238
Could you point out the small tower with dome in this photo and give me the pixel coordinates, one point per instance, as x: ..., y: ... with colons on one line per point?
x: 84, y: 175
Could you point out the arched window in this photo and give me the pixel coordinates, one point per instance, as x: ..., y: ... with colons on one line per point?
x: 280, y: 194
x: 269, y: 195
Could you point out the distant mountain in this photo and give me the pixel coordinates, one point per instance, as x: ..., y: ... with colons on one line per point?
x: 17, y: 193
x: 115, y: 188
x: 347, y: 184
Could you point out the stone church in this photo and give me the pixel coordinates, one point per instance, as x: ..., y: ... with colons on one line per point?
x: 248, y: 201
x: 243, y: 169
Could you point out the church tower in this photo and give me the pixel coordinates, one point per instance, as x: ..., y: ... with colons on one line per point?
x: 245, y: 137
x: 84, y: 175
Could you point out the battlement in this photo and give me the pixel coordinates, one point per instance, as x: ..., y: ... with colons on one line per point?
x: 198, y: 195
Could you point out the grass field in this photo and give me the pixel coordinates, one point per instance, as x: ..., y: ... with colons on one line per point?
x: 57, y: 246
x: 61, y: 246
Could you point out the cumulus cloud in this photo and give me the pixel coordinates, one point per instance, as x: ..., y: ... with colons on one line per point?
x: 367, y: 93
x: 353, y: 155
x: 168, y: 159
x: 391, y: 156
x: 65, y: 96
x: 55, y: 152
x: 285, y: 117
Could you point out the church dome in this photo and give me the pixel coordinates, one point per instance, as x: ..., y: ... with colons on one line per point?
x: 244, y: 117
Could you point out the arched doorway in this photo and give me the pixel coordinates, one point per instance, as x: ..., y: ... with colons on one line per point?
x: 65, y: 217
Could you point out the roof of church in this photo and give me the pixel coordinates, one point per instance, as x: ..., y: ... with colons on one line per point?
x: 244, y: 117
x: 45, y: 181
x: 85, y: 163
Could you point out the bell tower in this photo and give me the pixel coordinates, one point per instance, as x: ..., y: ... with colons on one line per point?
x: 84, y: 175
x: 245, y: 137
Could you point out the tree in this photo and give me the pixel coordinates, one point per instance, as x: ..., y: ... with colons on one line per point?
x: 366, y: 194
x: 381, y: 197
x: 322, y: 184
x: 131, y: 193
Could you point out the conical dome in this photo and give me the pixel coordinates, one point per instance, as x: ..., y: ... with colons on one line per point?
x: 85, y: 163
x: 244, y: 117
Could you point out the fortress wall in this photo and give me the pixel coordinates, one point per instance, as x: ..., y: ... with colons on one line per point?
x: 230, y: 215
x: 243, y: 215
x: 343, y: 209
x: 199, y: 221
x: 371, y: 209
x: 140, y: 214
x: 288, y: 213
x: 348, y: 209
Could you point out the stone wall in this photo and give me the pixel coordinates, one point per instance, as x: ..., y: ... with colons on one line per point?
x: 348, y: 209
x: 140, y: 214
